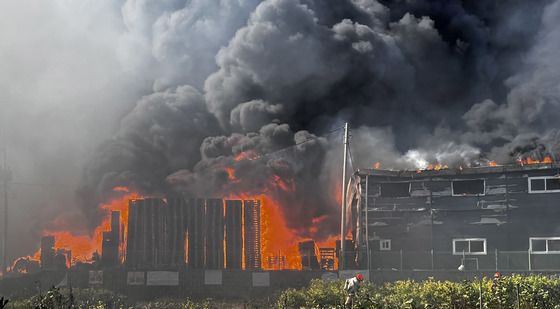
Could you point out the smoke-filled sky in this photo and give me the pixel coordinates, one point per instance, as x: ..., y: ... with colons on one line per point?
x: 162, y: 96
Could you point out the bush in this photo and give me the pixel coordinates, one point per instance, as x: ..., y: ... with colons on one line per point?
x: 532, y: 291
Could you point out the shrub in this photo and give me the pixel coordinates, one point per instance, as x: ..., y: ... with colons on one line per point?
x: 533, y: 291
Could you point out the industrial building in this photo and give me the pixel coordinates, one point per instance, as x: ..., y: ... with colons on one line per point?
x: 485, y: 218
x: 169, y: 233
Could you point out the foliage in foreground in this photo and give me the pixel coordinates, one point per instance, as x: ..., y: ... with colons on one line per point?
x: 103, y: 299
x: 507, y: 292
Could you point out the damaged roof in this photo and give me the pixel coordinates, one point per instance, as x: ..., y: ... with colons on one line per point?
x: 458, y: 171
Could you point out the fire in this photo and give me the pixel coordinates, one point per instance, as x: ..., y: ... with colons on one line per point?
x: 437, y: 167
x: 492, y: 163
x: 284, y: 185
x: 529, y: 160
x: 433, y: 167
x: 278, y: 242
x: 231, y: 174
x: 376, y: 165
x: 83, y: 247
x: 246, y: 155
x: 277, y: 239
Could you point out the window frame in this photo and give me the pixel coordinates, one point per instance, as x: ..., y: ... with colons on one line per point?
x: 484, y: 242
x: 386, y: 241
x: 380, y: 185
x: 546, y: 239
x: 545, y: 189
x: 477, y: 194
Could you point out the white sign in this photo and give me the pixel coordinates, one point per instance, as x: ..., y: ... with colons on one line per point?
x: 95, y: 277
x: 135, y: 278
x: 349, y: 273
x: 213, y: 277
x: 162, y: 278
x: 261, y: 279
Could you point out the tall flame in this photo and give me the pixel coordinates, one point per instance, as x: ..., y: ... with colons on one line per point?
x: 84, y: 246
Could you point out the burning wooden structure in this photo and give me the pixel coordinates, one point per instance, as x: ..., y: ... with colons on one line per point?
x: 175, y: 232
x: 110, y: 247
x: 484, y: 218
x: 252, y: 234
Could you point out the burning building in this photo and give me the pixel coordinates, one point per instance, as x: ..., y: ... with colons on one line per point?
x: 148, y: 234
x: 484, y: 218
x: 309, y: 257
x: 252, y: 215
x: 47, y: 252
x: 234, y: 236
x: 110, y: 250
x: 176, y: 232
x: 53, y: 258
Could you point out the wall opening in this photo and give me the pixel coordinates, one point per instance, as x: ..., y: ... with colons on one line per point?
x: 468, y: 187
x: 395, y: 189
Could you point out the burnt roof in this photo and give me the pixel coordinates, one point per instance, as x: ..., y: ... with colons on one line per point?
x: 459, y: 171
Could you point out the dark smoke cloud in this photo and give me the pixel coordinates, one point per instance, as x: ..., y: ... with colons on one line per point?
x: 251, y: 85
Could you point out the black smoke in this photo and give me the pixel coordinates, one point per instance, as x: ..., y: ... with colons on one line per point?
x: 454, y: 82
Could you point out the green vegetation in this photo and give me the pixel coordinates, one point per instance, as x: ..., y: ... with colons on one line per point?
x: 507, y: 292
x: 103, y: 299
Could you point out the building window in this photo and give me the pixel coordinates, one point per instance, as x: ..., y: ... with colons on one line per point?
x: 544, y: 184
x: 468, y: 187
x: 385, y: 244
x: 544, y: 245
x: 395, y: 189
x: 469, y: 246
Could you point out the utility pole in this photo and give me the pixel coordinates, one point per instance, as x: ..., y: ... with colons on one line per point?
x: 341, y: 257
x: 5, y: 176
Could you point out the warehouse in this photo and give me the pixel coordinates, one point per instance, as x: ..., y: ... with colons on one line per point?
x: 483, y: 218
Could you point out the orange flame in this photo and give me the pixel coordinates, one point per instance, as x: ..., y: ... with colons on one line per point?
x: 377, y: 165
x: 433, y: 167
x: 231, y: 174
x: 529, y: 161
x: 246, y: 155
x: 82, y: 247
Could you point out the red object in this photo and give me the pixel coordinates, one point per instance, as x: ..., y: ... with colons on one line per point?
x: 360, y: 277
x: 497, y: 274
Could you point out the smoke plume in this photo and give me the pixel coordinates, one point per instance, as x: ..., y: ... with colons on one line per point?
x: 420, y: 81
x: 223, y: 97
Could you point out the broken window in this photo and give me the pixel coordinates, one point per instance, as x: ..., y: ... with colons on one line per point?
x: 468, y: 187
x: 544, y: 244
x: 395, y: 189
x: 469, y: 246
x: 544, y: 184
